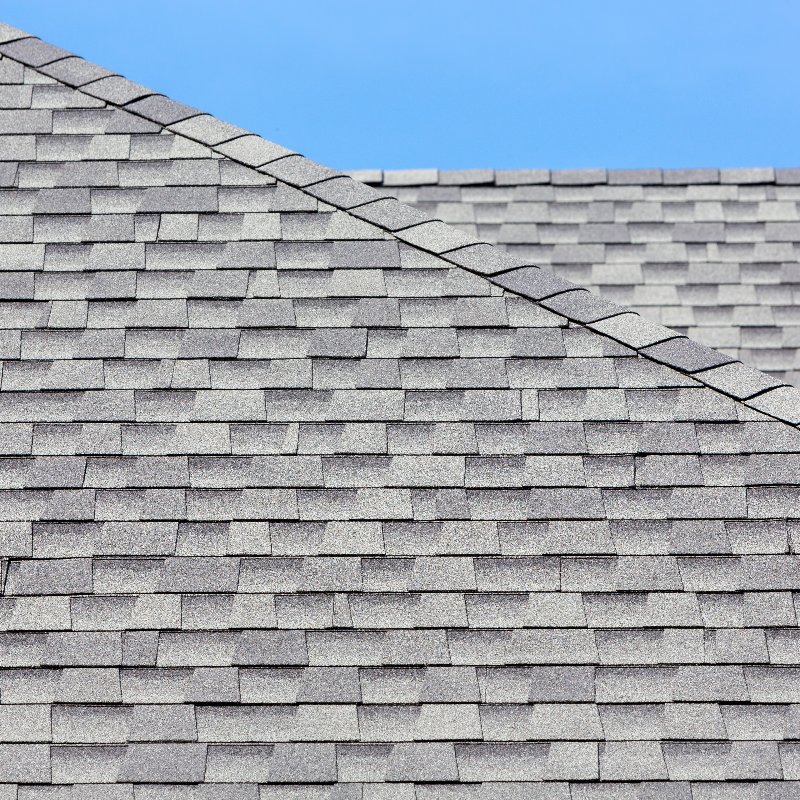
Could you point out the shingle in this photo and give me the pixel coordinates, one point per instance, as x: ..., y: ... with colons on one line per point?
x: 632, y: 761
x: 781, y: 403
x: 633, y: 330
x: 527, y: 761
x: 207, y: 129
x: 722, y: 760
x: 484, y: 258
x: 690, y: 176
x: 434, y: 236
x: 747, y: 175
x: 409, y: 177
x: 8, y: 33
x: 162, y: 109
x: 577, y: 177
x: 684, y: 354
x: 389, y: 214
x: 75, y: 71
x: 161, y: 762
x: 42, y: 576
x: 344, y: 192
x: 253, y: 150
x: 280, y: 763
x: 178, y: 685
x: 285, y: 723
x: 21, y: 121
x: 33, y: 52
x: 116, y: 89
x: 533, y: 282
x: 25, y: 762
x: 739, y: 380
x: 581, y: 306
x: 298, y: 171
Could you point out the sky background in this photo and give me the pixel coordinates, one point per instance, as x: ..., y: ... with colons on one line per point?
x: 464, y: 83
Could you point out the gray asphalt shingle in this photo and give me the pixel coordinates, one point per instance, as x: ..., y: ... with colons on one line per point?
x: 295, y: 506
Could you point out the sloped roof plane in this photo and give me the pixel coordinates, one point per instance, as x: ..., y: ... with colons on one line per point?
x: 307, y: 495
x: 711, y: 253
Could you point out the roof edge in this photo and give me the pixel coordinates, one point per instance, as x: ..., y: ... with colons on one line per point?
x: 753, y: 388
x: 401, y: 178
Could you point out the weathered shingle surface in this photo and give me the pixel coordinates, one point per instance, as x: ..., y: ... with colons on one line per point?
x: 292, y: 507
x: 714, y: 254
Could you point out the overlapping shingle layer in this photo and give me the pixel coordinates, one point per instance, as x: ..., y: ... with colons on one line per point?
x: 711, y: 253
x: 294, y: 507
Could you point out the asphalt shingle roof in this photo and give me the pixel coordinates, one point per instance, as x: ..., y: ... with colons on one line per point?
x: 713, y: 254
x: 303, y: 500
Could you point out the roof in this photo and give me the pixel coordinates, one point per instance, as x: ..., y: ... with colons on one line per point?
x: 305, y: 495
x: 710, y: 253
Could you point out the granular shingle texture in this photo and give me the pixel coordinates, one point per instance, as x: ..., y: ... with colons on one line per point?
x: 714, y: 254
x: 295, y: 507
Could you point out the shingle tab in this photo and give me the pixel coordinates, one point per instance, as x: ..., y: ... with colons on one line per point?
x: 116, y: 89
x: 686, y: 355
x: 162, y: 109
x: 532, y: 282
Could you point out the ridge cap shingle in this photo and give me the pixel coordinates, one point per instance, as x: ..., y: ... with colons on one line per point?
x: 780, y: 401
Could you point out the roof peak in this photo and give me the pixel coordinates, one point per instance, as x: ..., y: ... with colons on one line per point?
x: 708, y: 367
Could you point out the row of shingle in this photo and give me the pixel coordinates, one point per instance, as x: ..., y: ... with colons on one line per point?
x: 62, y: 148
x: 208, y: 359
x: 772, y: 241
x: 577, y: 177
x: 696, y: 302
x: 486, y: 790
x: 180, y: 221
x: 636, y: 203
x: 724, y: 683
x: 189, y: 201
x: 421, y: 573
x: 642, y: 198
x: 315, y: 309
x: 650, y: 216
x: 605, y: 204
x: 693, y: 404
x: 364, y: 470
x: 39, y: 113
x: 759, y: 502
x: 51, y: 178
x: 428, y: 538
x: 60, y: 281
x: 571, y: 254
x: 285, y: 332
x: 747, y: 305
x: 344, y: 722
x: 398, y: 646
x: 315, y: 763
x: 599, y: 439
x: 718, y: 613
x: 115, y: 227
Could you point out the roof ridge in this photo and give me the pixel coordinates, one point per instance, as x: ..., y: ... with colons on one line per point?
x: 707, y: 366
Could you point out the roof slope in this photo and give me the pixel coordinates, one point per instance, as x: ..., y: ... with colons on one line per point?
x: 304, y: 495
x: 711, y: 253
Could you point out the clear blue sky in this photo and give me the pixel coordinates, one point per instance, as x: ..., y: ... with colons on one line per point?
x: 464, y: 83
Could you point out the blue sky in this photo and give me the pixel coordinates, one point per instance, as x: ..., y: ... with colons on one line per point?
x: 464, y: 83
